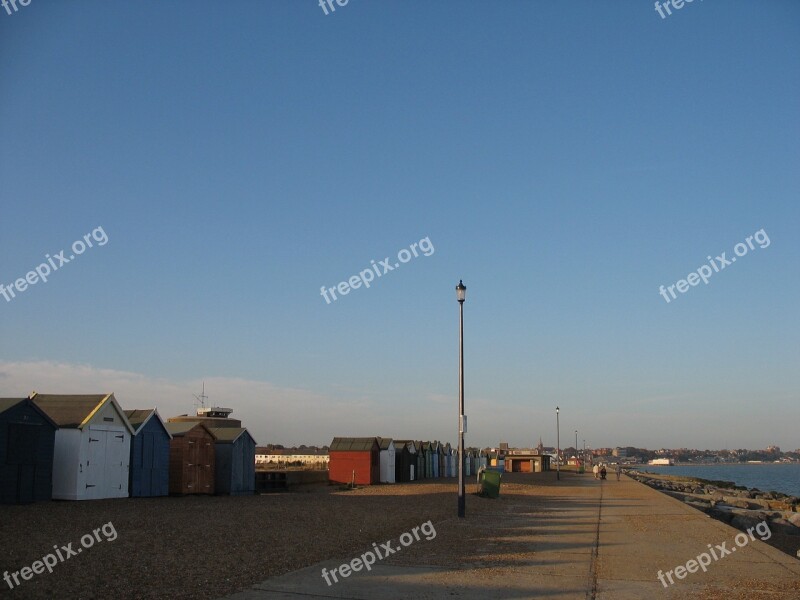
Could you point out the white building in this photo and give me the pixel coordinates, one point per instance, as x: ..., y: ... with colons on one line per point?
x: 311, y: 457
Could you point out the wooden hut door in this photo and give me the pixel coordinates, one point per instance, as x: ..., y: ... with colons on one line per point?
x: 148, y: 457
x: 23, y: 445
x: 206, y: 473
x: 193, y: 458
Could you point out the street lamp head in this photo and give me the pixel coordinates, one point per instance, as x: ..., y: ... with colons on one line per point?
x: 557, y: 409
x: 461, y: 291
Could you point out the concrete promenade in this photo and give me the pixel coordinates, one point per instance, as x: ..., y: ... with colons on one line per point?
x: 577, y: 538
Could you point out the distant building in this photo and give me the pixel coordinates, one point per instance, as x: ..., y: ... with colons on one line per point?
x: 523, y: 460
x: 308, y: 456
x: 210, y: 417
x: 620, y: 452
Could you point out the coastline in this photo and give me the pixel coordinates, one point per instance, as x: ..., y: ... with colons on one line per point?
x: 733, y: 504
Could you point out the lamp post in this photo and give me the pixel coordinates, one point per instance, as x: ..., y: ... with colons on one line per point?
x: 461, y: 295
x: 584, y: 453
x: 558, y: 447
x: 577, y: 460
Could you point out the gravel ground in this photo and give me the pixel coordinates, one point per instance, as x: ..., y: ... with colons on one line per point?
x: 210, y: 547
x: 207, y: 547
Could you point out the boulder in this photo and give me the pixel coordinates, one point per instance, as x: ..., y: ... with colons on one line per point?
x: 794, y: 519
x: 721, y: 515
x: 740, y: 503
x: 744, y: 522
x: 698, y: 504
x: 784, y: 526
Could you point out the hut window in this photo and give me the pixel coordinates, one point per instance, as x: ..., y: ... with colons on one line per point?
x: 108, y: 419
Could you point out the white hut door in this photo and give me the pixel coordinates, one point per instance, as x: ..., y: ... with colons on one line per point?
x: 116, y: 476
x: 95, y: 466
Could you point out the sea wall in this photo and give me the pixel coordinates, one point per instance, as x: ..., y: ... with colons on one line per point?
x: 735, y: 505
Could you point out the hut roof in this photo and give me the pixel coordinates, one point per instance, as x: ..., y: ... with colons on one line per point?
x: 6, y: 403
x: 384, y: 443
x: 181, y: 428
x: 9, y: 403
x: 410, y: 444
x: 73, y: 411
x: 352, y: 444
x: 140, y: 416
x: 228, y: 435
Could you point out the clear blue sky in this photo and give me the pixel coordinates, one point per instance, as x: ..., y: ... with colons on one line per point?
x: 565, y: 159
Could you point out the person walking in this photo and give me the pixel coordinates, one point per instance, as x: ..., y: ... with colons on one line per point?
x: 603, y: 472
x: 595, y: 470
x: 618, y: 471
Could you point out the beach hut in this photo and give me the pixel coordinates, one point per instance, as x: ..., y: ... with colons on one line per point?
x: 149, y: 472
x: 473, y: 464
x: 235, y: 457
x: 444, y: 460
x: 354, y: 459
x: 452, y: 468
x: 421, y: 460
x: 191, y: 458
x: 405, y: 461
x: 388, y: 458
x: 483, y: 459
x: 27, y: 440
x: 436, y: 452
x: 425, y: 449
x: 92, y: 446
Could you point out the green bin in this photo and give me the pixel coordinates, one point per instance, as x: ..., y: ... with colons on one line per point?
x: 489, y: 483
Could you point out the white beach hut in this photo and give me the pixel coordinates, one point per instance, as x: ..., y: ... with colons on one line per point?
x: 387, y: 460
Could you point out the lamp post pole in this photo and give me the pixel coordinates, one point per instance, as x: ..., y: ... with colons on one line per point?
x: 461, y: 295
x: 558, y: 447
x: 577, y: 458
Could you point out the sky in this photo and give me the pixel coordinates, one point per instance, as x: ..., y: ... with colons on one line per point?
x: 226, y: 161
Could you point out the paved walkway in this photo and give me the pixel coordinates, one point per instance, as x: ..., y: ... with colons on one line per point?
x: 576, y: 538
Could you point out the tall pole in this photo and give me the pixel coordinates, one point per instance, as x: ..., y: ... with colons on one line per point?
x: 461, y: 497
x: 576, y: 450
x: 558, y: 447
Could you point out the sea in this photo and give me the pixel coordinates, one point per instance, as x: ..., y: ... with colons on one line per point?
x: 767, y: 477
